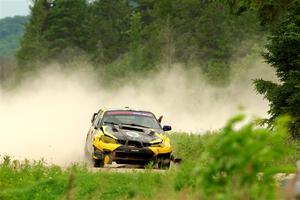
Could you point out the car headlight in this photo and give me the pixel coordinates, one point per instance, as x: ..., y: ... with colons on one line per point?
x: 157, y: 144
x: 107, y: 139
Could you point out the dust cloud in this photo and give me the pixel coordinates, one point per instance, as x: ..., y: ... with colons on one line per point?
x: 48, y: 116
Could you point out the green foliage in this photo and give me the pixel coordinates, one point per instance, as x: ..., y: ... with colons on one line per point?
x: 196, y: 32
x: 283, y: 55
x: 11, y: 30
x: 108, y: 23
x: 135, y: 50
x: 187, y: 145
x: 33, y: 44
x: 257, y: 150
x: 269, y: 11
x: 38, y: 181
x: 27, y: 180
x: 56, y: 30
x: 66, y: 28
x: 238, y: 163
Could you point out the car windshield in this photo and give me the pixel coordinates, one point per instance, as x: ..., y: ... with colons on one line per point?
x: 143, y: 119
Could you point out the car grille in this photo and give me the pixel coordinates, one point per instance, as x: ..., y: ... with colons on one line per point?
x: 133, y: 155
x: 134, y: 143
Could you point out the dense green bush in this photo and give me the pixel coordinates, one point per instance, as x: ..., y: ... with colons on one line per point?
x: 239, y: 163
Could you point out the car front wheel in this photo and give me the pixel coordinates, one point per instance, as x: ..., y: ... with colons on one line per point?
x: 98, y: 163
x: 164, y: 164
x: 164, y: 161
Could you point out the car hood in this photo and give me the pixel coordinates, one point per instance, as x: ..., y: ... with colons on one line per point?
x: 133, y: 133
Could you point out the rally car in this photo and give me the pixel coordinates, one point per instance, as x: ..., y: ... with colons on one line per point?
x: 128, y: 136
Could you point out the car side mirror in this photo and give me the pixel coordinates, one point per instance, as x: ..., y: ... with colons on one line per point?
x: 167, y: 128
x: 94, y: 116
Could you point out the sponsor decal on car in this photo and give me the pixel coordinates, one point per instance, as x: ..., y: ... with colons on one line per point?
x: 132, y: 134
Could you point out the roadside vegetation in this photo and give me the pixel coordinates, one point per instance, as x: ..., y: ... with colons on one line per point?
x: 234, y: 163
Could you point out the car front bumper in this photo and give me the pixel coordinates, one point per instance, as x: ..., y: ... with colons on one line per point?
x: 133, y: 155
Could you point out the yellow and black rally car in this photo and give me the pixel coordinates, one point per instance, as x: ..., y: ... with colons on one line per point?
x: 127, y: 136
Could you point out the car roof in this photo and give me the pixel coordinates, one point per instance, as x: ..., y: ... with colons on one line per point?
x: 124, y: 109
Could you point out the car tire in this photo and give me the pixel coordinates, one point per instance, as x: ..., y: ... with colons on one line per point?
x: 98, y: 163
x: 164, y: 163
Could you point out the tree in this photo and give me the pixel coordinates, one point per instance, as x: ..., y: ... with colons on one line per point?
x: 33, y: 44
x: 170, y: 31
x: 199, y: 32
x: 136, y: 51
x: 11, y: 31
x: 284, y: 56
x: 108, y: 24
x: 66, y: 28
x: 269, y: 11
x: 55, y: 27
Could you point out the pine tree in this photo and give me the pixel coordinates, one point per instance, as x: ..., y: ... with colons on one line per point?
x: 67, y: 30
x: 33, y: 44
x: 268, y: 11
x: 136, y: 49
x: 107, y: 29
x: 284, y: 56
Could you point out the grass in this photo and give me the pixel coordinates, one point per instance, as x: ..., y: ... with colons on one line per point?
x: 38, y: 181
x: 214, y: 166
